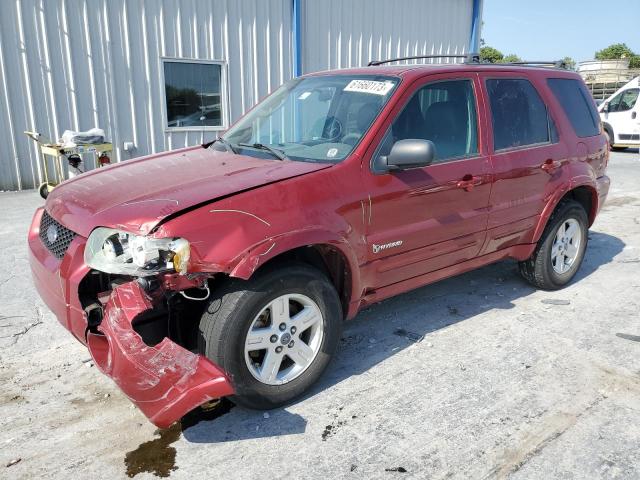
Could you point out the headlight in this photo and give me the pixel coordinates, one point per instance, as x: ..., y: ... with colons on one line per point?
x: 114, y: 251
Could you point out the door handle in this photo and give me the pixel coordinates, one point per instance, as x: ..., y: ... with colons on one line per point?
x: 469, y: 181
x: 633, y: 115
x: 550, y: 165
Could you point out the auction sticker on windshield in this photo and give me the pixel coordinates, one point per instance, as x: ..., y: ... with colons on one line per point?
x: 369, y: 86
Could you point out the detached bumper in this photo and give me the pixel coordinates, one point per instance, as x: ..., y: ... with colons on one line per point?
x: 165, y: 381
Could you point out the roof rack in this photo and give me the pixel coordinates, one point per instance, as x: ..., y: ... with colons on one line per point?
x: 469, y: 58
x: 552, y: 63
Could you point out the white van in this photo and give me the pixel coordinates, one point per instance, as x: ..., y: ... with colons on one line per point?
x: 620, y: 115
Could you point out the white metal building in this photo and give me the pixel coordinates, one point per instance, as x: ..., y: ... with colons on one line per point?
x: 163, y: 74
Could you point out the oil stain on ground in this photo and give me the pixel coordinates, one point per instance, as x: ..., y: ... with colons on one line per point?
x: 157, y: 456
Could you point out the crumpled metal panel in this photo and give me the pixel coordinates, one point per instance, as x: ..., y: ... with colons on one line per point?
x: 165, y: 380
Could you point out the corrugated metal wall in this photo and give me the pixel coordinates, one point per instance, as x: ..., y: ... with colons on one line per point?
x: 339, y: 34
x: 75, y: 64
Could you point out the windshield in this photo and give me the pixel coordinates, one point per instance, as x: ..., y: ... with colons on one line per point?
x: 319, y: 119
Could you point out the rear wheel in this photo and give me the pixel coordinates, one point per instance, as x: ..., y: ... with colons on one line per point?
x: 561, y: 248
x: 274, y: 334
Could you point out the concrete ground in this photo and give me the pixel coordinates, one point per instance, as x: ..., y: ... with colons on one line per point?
x: 508, y: 381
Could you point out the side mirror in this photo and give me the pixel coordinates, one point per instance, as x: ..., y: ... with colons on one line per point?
x: 605, y: 107
x: 406, y: 154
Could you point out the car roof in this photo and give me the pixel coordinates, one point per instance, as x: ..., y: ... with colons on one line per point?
x: 419, y: 70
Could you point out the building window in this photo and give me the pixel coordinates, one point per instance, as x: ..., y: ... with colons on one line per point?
x: 194, y: 95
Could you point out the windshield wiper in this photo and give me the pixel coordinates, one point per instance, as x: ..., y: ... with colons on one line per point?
x: 228, y: 145
x: 279, y: 154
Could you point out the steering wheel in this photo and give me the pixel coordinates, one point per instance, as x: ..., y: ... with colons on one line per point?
x: 351, y: 138
x: 332, y: 129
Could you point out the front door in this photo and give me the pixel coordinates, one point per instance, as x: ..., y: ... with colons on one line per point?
x: 621, y: 113
x: 425, y: 219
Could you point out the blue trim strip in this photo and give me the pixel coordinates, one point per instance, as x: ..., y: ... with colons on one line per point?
x: 474, y: 39
x: 297, y: 38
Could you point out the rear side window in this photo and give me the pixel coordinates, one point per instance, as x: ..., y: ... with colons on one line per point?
x: 518, y: 113
x: 576, y: 105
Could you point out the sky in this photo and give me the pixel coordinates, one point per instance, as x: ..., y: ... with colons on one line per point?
x: 553, y: 29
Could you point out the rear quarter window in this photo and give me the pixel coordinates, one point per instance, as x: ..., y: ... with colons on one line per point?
x: 576, y: 104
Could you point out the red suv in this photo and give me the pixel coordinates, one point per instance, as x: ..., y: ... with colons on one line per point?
x: 228, y: 269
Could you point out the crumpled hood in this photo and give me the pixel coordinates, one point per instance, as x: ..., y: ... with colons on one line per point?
x: 137, y: 194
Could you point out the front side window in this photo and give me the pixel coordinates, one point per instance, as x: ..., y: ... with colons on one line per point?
x: 443, y: 112
x: 193, y: 94
x: 318, y: 119
x: 624, y: 100
x: 576, y: 105
x: 518, y: 114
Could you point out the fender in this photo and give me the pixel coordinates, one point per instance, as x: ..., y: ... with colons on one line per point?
x: 250, y: 260
x: 559, y: 194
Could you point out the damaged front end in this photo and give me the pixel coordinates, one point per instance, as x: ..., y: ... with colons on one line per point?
x: 165, y: 380
x: 140, y: 330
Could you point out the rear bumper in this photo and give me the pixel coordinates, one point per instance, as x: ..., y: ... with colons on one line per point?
x: 165, y: 380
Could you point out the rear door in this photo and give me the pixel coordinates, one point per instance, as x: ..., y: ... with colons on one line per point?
x: 526, y: 157
x: 425, y: 219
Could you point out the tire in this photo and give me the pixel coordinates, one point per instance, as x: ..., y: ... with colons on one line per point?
x: 43, y: 190
x: 544, y: 271
x: 240, y: 306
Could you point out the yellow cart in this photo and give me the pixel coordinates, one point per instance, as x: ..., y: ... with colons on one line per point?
x: 58, y: 152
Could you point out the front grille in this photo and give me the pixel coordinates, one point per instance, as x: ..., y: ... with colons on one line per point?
x: 56, y: 237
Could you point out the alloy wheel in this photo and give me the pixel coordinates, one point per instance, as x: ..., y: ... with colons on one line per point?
x: 284, y: 339
x: 566, y: 246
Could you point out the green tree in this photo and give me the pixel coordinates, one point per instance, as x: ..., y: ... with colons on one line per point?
x: 512, y: 57
x: 614, y: 52
x: 634, y: 62
x: 491, y: 55
x: 570, y: 63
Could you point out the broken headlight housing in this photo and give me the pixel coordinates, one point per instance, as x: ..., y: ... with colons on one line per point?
x: 115, y: 251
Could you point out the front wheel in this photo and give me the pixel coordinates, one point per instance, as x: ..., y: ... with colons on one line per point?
x: 274, y: 334
x: 561, y: 248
